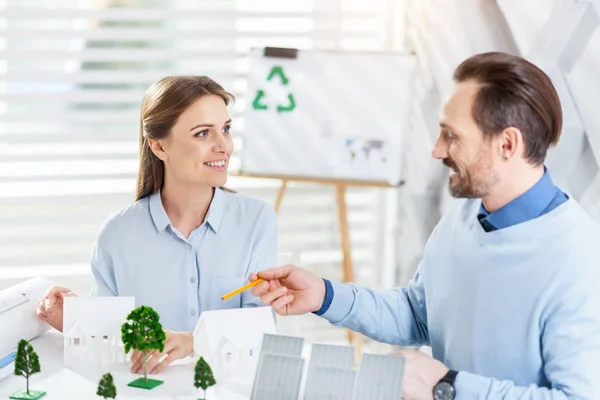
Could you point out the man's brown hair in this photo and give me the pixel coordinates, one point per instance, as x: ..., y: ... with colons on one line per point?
x: 514, y: 93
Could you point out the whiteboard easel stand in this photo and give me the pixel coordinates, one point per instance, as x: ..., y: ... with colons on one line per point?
x: 340, y: 185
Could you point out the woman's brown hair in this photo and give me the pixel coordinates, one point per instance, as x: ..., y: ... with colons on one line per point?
x: 162, y: 105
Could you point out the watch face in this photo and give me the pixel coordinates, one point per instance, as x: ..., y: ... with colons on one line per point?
x: 443, y: 391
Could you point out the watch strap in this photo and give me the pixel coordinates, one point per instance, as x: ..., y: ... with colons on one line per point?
x: 450, y: 377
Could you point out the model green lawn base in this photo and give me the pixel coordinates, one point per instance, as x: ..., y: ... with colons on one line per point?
x: 145, y: 384
x: 23, y: 395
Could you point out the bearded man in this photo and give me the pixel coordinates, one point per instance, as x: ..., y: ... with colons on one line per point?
x: 507, y: 291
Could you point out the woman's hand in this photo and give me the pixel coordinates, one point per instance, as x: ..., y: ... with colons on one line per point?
x: 50, y: 308
x: 178, y: 345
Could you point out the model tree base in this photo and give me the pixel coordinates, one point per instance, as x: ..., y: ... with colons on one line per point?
x: 145, y: 384
x: 23, y: 395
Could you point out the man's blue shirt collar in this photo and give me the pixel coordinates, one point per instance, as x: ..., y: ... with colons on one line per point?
x: 529, y: 205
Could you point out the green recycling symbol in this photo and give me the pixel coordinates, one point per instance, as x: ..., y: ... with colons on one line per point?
x: 260, y: 94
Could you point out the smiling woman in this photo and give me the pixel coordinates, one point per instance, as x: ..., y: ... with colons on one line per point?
x: 186, y: 241
x: 195, y: 149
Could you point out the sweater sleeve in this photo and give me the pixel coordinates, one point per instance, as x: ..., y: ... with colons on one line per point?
x: 397, y: 316
x: 570, y: 343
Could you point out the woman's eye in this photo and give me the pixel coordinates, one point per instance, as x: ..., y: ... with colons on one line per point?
x: 202, y: 134
x: 226, y: 129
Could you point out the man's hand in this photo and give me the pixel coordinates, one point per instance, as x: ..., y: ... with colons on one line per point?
x: 50, y: 308
x: 177, y: 345
x: 421, y: 374
x: 290, y: 290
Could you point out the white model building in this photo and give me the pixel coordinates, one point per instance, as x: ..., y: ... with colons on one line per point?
x: 230, y: 340
x: 92, y: 331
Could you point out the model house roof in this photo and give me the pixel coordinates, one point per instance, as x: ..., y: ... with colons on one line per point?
x: 242, y: 327
x: 96, y: 316
x: 76, y: 332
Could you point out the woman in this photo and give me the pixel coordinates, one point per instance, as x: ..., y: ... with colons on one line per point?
x: 186, y: 241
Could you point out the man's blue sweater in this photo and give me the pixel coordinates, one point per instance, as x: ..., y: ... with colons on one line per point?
x: 515, y: 310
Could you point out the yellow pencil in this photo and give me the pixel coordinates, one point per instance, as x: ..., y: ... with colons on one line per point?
x: 240, y: 290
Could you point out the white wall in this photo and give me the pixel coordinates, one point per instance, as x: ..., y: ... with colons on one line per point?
x: 560, y: 36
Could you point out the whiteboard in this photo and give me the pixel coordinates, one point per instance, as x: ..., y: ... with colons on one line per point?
x: 326, y: 114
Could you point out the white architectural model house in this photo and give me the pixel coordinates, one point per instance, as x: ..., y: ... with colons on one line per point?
x: 92, y: 331
x: 75, y: 346
x: 230, y: 354
x: 230, y: 341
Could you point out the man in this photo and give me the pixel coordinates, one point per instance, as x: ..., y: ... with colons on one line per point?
x: 506, y: 294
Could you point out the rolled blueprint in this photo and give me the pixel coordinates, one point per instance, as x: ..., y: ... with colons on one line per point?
x: 18, y: 319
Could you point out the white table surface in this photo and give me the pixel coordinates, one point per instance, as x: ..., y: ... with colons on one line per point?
x: 178, y: 379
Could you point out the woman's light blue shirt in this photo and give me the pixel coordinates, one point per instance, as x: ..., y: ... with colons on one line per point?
x: 139, y: 253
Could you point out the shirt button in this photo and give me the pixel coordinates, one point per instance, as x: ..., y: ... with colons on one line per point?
x: 193, y: 279
x: 193, y: 312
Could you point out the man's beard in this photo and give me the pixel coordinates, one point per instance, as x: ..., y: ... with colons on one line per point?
x: 464, y: 184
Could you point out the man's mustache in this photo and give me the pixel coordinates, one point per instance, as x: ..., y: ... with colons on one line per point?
x: 449, y: 163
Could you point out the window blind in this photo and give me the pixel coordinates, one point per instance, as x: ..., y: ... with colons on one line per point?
x: 72, y: 76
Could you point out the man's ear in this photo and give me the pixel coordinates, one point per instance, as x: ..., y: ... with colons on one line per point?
x: 157, y: 148
x: 511, y: 140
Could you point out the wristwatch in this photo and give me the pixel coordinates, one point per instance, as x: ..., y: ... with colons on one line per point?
x: 444, y: 389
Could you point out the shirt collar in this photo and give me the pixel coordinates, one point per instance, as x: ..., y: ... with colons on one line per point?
x: 529, y: 205
x: 216, y: 209
x: 213, y: 216
x: 158, y: 213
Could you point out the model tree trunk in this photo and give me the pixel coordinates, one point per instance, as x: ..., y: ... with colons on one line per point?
x: 145, y: 355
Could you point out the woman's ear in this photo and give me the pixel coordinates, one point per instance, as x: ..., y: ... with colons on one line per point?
x: 156, y: 146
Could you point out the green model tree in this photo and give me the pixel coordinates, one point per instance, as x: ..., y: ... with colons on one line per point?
x: 106, y: 387
x: 143, y: 332
x: 27, y: 363
x: 204, y: 376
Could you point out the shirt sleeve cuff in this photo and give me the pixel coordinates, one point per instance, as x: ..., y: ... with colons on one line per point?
x: 470, y: 386
x: 328, y: 298
x: 341, y: 303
